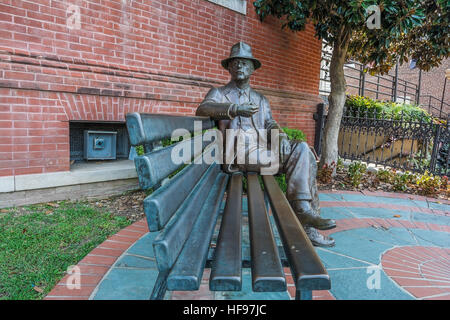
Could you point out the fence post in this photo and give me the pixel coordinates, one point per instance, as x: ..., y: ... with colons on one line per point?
x: 435, y: 151
x: 443, y: 96
x: 429, y: 104
x: 378, y: 85
x: 418, y: 87
x: 394, y: 88
x: 363, y: 80
x: 319, y: 116
x: 404, y: 93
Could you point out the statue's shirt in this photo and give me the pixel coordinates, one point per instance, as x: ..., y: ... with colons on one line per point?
x: 232, y: 94
x: 251, y: 127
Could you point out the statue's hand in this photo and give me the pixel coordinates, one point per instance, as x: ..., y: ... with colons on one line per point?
x: 247, y: 109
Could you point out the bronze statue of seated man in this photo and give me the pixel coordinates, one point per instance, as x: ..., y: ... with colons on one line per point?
x: 237, y: 106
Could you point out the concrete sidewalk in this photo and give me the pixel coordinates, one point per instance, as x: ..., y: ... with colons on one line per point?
x: 388, y: 246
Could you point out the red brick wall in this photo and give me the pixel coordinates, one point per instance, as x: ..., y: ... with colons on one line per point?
x: 141, y: 55
x: 432, y: 84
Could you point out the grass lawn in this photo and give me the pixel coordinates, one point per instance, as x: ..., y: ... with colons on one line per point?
x: 39, y: 242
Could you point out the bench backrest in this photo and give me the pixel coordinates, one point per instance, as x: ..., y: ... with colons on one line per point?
x: 147, y: 130
x: 175, y: 203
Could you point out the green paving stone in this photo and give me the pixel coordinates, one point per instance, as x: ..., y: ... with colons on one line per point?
x: 248, y: 294
x: 395, y: 201
x: 244, y: 206
x: 400, y: 237
x: 355, y: 197
x: 127, y: 284
x: 353, y: 285
x: 128, y: 261
x: 327, y: 197
x: 439, y: 206
x: 392, y: 236
x: 398, y: 201
x: 336, y: 213
x: 382, y: 213
x: 386, y: 213
x: 354, y: 243
x: 430, y: 218
x: 386, y: 200
x: 432, y: 238
x: 332, y: 260
x: 334, y: 197
x: 144, y: 247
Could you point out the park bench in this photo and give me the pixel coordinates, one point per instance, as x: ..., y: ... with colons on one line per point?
x: 186, y: 207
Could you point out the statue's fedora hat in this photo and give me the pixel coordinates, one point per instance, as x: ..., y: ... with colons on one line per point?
x: 241, y: 50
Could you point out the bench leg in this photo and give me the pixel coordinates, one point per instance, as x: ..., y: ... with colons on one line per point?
x: 159, y: 290
x: 303, y: 295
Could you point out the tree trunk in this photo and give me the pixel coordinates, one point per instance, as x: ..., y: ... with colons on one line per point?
x: 336, y: 101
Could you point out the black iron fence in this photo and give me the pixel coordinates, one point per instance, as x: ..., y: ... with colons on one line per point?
x: 392, y: 140
x: 437, y: 107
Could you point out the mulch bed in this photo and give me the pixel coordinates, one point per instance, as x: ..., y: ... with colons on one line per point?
x: 129, y: 204
x: 371, y: 183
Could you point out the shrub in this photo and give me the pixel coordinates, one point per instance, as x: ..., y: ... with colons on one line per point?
x: 401, y: 181
x: 295, y: 134
x: 340, y: 165
x: 428, y: 184
x: 362, y: 106
x: 281, y: 179
x: 140, y: 150
x: 444, y: 183
x: 385, y: 176
x: 356, y: 171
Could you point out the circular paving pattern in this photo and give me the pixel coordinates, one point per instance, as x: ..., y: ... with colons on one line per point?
x: 424, y: 272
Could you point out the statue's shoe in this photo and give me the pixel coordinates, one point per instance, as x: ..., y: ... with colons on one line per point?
x: 319, y: 240
x: 307, y: 217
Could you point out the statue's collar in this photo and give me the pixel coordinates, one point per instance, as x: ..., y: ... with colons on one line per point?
x: 231, y: 86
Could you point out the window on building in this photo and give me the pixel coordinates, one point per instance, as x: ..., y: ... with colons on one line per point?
x: 235, y: 5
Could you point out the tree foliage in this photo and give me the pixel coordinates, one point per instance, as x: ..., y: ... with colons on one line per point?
x: 410, y: 29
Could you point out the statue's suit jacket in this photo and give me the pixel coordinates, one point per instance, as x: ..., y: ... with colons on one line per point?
x: 218, y: 101
x: 299, y: 166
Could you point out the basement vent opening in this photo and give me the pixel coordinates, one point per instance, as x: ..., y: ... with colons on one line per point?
x: 98, y: 141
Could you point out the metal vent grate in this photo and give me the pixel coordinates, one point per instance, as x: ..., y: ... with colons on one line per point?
x: 76, y: 136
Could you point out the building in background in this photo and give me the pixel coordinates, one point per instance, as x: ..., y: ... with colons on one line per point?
x: 434, y: 91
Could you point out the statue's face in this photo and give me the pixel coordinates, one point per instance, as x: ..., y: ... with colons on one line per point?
x: 240, y: 69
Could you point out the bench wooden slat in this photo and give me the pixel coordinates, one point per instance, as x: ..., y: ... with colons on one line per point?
x: 267, y: 272
x: 168, y: 244
x: 187, y: 272
x: 154, y: 166
x: 307, y: 269
x: 226, y: 273
x: 144, y: 128
x: 158, y: 209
